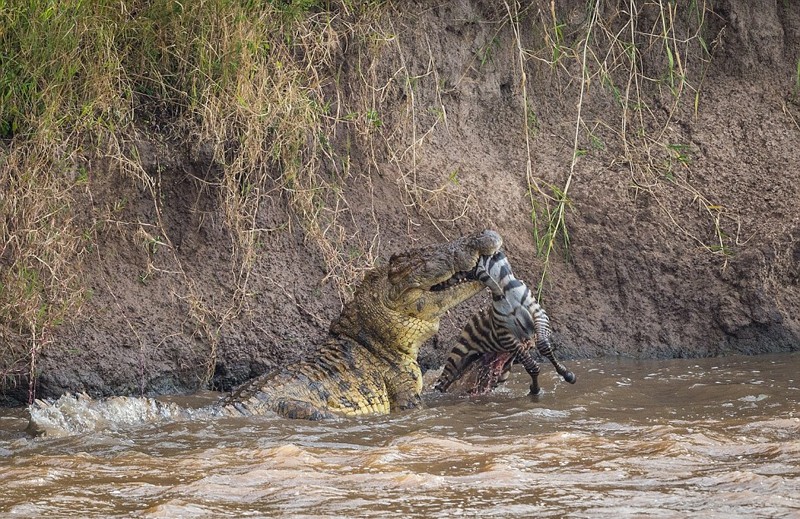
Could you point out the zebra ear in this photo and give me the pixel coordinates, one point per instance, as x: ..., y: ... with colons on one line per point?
x: 525, y: 325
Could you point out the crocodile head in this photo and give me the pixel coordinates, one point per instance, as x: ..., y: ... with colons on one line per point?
x: 399, y: 305
x: 424, y: 283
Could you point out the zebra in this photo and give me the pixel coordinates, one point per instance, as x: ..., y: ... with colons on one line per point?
x: 501, y: 334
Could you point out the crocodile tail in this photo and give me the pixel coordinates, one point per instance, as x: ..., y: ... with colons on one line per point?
x: 75, y: 414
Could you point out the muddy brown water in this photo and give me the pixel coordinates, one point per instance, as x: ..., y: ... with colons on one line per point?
x: 707, y: 438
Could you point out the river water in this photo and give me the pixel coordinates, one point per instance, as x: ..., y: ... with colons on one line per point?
x: 678, y: 438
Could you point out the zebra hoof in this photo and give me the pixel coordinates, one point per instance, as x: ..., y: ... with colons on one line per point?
x: 570, y: 377
x: 536, y: 391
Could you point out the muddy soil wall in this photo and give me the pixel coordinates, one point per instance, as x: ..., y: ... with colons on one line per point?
x: 672, y: 139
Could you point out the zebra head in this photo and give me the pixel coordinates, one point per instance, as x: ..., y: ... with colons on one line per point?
x: 513, y: 305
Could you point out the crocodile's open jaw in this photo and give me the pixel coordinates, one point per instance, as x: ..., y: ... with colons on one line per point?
x: 456, y: 279
x: 427, y: 282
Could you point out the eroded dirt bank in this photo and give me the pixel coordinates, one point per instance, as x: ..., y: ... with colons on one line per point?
x: 683, y: 218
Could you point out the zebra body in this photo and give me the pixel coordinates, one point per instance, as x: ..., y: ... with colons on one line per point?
x: 501, y: 334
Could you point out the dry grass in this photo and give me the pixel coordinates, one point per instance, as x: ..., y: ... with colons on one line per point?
x: 256, y: 84
x: 244, y: 79
x: 644, y: 56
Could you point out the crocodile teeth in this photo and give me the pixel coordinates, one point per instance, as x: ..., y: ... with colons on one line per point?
x: 455, y: 279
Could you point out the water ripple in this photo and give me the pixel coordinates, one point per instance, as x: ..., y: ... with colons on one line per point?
x: 716, y: 438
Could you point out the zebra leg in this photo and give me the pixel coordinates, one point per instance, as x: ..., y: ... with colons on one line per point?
x: 532, y: 367
x: 542, y: 340
x: 546, y: 350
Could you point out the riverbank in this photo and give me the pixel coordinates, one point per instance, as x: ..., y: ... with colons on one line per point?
x: 210, y: 207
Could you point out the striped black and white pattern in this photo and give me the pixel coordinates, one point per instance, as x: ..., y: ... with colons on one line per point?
x: 500, y: 335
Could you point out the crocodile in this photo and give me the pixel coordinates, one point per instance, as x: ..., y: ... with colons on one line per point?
x: 367, y: 366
